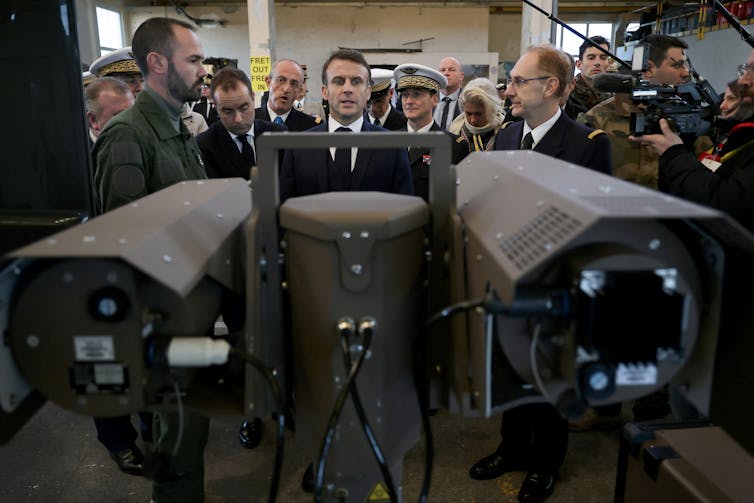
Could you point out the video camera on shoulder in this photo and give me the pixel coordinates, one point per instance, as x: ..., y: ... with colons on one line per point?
x: 689, y: 108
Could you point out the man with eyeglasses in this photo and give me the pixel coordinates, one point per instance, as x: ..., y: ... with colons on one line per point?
x: 535, y: 435
x: 724, y: 181
x: 284, y: 82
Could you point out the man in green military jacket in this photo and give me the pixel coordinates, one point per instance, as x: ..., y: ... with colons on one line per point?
x: 147, y: 147
x: 142, y: 150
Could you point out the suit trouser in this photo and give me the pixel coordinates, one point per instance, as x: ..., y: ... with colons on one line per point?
x: 534, y: 433
x: 180, y: 477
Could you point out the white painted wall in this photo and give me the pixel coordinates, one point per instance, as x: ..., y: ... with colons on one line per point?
x: 717, y: 56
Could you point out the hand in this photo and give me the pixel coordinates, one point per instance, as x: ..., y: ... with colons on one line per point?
x: 659, y: 142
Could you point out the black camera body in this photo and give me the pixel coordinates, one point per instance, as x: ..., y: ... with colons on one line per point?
x: 683, y: 106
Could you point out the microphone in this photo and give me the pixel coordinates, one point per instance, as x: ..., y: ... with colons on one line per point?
x: 613, y: 83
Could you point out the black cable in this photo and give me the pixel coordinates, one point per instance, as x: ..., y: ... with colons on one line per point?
x: 272, y: 380
x: 373, y: 443
x: 340, y: 401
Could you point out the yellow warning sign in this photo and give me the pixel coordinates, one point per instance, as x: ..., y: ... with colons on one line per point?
x: 260, y: 68
x: 379, y: 493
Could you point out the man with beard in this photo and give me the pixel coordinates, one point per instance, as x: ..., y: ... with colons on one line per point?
x: 148, y: 148
x: 142, y: 150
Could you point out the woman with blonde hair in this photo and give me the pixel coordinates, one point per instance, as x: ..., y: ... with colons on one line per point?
x: 480, y: 121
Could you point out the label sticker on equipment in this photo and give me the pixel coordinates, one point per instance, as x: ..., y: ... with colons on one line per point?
x: 94, y: 348
x: 379, y: 493
x: 108, y: 374
x: 636, y: 374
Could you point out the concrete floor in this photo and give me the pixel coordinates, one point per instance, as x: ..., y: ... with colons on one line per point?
x: 56, y: 457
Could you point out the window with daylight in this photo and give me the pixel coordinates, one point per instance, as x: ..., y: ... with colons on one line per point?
x: 570, y: 43
x: 109, y: 29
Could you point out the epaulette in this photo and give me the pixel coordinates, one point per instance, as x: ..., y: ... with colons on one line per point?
x: 595, y: 133
x: 505, y: 124
x: 459, y: 139
x: 317, y: 119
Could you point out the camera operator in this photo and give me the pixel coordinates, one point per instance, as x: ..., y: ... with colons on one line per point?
x: 724, y: 181
x: 632, y: 161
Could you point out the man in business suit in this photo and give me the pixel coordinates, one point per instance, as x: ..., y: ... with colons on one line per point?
x: 229, y: 146
x: 535, y: 436
x: 381, y: 112
x: 448, y: 105
x: 346, y: 84
x: 284, y: 82
x: 205, y: 106
x: 419, y: 86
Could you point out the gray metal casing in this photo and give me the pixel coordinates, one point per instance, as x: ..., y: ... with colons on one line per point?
x: 356, y: 255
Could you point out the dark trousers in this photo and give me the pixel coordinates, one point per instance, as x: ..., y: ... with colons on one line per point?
x: 535, y: 433
x: 117, y: 433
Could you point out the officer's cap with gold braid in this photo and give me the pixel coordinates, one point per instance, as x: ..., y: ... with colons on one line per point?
x: 120, y: 61
x: 380, y: 82
x: 411, y: 75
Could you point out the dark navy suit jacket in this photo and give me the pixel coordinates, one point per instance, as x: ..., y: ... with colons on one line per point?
x: 567, y: 140
x: 296, y: 121
x: 395, y: 121
x: 305, y: 171
x: 220, y: 153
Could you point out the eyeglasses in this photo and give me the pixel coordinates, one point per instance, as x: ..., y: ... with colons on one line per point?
x: 281, y: 81
x: 677, y: 64
x: 518, y: 81
x: 745, y: 68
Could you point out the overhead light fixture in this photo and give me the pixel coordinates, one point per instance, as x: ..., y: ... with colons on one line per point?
x: 201, y: 22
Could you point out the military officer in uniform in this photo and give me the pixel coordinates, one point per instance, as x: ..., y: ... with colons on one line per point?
x: 535, y: 436
x: 142, y: 150
x: 121, y: 65
x: 419, y: 86
x: 381, y: 112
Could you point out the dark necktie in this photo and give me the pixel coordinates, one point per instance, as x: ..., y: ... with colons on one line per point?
x: 445, y: 109
x: 278, y: 120
x: 527, y: 142
x: 343, y: 155
x: 377, y: 122
x: 246, y: 151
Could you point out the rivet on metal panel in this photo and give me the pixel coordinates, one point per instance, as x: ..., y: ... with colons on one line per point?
x: 346, y: 235
x: 167, y: 258
x: 32, y: 341
x: 200, y: 182
x: 134, y: 205
x: 187, y: 203
x: 540, y: 204
x: 122, y: 241
x: 654, y: 244
x: 606, y: 189
x: 458, y: 182
x: 52, y: 242
x: 499, y: 235
x: 496, y: 177
x: 220, y: 215
x: 111, y: 277
x: 357, y: 269
x: 67, y: 277
x: 89, y: 239
x: 364, y: 234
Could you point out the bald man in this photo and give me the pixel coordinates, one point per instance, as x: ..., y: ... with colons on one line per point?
x: 448, y: 107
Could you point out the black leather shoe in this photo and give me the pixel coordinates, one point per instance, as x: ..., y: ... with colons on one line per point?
x: 250, y: 434
x: 130, y: 460
x: 537, y: 487
x: 307, y: 482
x: 492, y: 466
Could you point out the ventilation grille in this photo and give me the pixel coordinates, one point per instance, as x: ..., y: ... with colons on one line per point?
x: 538, y: 237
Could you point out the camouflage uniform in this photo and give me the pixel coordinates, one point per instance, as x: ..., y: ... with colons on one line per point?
x: 585, y: 96
x: 632, y: 161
